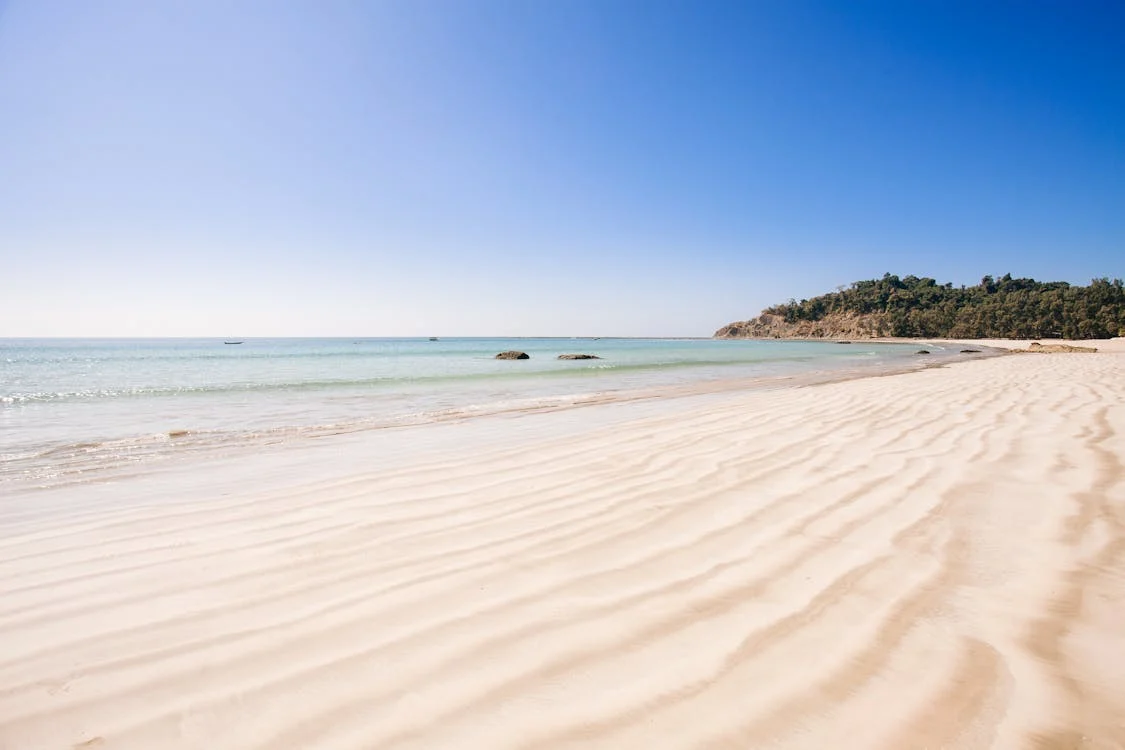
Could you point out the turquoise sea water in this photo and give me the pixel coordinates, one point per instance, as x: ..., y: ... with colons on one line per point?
x: 73, y: 410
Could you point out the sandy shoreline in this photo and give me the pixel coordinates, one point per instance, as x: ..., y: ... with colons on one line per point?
x: 94, y: 454
x: 1114, y: 346
x: 930, y: 559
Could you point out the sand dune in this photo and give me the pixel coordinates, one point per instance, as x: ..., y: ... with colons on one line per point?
x: 927, y: 560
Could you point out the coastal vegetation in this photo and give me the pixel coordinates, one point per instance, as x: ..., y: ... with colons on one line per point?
x: 918, y: 306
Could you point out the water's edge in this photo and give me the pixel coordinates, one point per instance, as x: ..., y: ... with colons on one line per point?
x: 99, y: 460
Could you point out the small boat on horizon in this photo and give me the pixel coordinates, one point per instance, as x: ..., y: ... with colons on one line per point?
x: 433, y: 338
x: 232, y: 342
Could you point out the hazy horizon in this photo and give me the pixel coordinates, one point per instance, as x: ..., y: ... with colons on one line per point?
x: 503, y: 168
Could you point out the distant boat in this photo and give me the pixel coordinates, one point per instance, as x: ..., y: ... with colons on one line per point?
x: 232, y: 342
x: 433, y: 338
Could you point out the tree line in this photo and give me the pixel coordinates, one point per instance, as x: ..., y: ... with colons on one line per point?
x: 994, y: 308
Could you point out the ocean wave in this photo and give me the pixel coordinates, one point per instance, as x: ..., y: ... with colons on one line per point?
x: 565, y: 369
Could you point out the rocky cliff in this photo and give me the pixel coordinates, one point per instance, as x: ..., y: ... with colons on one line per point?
x: 831, y: 326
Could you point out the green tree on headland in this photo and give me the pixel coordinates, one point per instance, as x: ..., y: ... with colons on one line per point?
x: 913, y: 306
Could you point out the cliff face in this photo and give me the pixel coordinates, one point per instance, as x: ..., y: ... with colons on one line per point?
x: 831, y: 326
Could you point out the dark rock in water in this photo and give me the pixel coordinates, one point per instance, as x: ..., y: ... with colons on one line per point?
x: 579, y: 356
x: 923, y: 351
x: 970, y: 351
x: 513, y: 355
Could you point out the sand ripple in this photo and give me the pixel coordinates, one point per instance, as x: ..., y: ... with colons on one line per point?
x: 927, y: 560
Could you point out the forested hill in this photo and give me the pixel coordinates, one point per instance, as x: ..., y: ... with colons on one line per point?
x: 912, y: 306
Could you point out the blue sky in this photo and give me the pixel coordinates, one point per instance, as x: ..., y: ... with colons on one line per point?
x: 574, y: 167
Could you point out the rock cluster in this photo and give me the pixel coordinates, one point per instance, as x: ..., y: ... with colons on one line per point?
x: 525, y: 355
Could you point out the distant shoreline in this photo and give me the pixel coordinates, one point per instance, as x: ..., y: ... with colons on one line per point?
x: 1103, y: 345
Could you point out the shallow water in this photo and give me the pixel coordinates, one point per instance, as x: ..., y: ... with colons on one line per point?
x: 74, y: 410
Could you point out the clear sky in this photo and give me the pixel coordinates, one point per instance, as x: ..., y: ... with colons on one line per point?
x: 540, y: 167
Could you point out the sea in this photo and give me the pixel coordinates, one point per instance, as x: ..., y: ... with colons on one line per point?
x: 83, y: 410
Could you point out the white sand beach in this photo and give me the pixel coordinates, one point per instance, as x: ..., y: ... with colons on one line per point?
x: 925, y: 560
